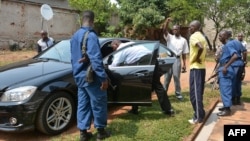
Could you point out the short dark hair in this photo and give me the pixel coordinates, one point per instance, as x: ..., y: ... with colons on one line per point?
x: 88, y: 15
x: 229, y: 33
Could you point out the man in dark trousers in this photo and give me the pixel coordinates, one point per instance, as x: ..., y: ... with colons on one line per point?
x: 197, y: 44
x: 238, y: 66
x: 160, y: 93
x: 92, y: 96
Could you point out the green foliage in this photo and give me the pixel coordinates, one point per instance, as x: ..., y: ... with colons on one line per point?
x: 141, y: 15
x: 111, y: 32
x: 184, y: 11
x: 138, y: 17
x: 102, y: 9
x: 142, y: 10
x: 227, y: 14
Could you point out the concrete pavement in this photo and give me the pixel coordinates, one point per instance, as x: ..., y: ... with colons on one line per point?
x: 213, y: 128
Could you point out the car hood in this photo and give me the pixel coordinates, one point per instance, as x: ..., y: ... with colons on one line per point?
x: 28, y: 70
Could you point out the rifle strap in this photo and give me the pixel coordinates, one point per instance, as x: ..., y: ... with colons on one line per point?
x: 84, y: 42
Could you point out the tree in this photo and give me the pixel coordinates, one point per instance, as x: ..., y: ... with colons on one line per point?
x: 102, y: 9
x: 184, y: 11
x: 139, y: 17
x: 226, y: 14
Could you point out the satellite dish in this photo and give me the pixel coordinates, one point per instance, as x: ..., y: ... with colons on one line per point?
x: 46, y: 12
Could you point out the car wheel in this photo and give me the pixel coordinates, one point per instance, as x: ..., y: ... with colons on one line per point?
x: 56, y: 113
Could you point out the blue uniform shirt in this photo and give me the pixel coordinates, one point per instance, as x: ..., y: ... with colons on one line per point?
x: 94, y: 54
x: 239, y: 50
x: 227, y: 53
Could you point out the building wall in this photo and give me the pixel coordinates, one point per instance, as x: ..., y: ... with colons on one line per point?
x: 21, y: 22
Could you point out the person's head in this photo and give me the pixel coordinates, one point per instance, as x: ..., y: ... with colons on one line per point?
x: 194, y: 26
x: 176, y: 30
x: 115, y: 44
x: 44, y: 34
x: 88, y: 18
x: 240, y: 36
x: 230, y: 34
x: 224, y: 36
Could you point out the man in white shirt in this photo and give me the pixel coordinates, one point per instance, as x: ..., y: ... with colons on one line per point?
x: 139, y: 53
x: 180, y: 46
x: 240, y: 38
x: 45, y: 42
x: 129, y: 56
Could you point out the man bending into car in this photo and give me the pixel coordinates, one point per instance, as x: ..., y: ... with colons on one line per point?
x: 131, y: 56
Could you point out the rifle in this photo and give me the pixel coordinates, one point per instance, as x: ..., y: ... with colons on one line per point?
x: 214, y: 75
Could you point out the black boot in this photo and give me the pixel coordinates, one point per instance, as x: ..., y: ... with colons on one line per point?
x: 225, y: 112
x: 102, y: 134
x: 170, y: 112
x: 84, y: 135
x: 221, y: 108
x: 134, y: 110
x: 234, y: 100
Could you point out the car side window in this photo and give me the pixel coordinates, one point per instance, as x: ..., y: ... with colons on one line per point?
x: 60, y: 52
x: 134, y: 55
x: 165, y: 52
x: 107, y: 49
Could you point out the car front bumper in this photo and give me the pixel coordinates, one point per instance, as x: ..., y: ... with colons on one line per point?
x: 17, y: 118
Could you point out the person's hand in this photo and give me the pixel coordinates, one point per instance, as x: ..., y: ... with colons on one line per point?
x: 183, y: 69
x: 198, y: 60
x: 84, y: 59
x: 224, y: 70
x: 104, y: 85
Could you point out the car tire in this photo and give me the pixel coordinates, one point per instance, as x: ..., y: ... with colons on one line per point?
x: 56, y: 113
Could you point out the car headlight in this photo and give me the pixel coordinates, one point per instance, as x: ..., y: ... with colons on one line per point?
x: 18, y: 94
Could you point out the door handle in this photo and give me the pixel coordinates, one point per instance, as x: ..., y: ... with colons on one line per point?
x: 139, y: 74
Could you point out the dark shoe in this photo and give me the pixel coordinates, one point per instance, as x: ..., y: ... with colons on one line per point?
x: 221, y: 108
x: 170, y: 112
x: 85, y: 136
x: 102, y: 134
x: 237, y: 101
x: 225, y: 112
x: 179, y: 96
x: 134, y: 110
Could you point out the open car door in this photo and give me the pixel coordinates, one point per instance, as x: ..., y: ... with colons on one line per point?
x: 132, y: 84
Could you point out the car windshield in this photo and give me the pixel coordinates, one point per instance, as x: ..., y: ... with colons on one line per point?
x: 59, y: 52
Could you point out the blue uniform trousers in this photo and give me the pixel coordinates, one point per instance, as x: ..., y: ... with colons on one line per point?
x: 237, y: 81
x: 197, y: 82
x: 226, y: 87
x: 92, y: 106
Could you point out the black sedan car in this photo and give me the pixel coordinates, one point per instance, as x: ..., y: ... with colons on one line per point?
x: 40, y: 93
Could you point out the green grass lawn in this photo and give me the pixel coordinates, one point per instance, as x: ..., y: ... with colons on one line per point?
x: 152, y: 125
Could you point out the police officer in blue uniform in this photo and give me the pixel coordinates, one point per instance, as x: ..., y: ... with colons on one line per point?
x: 226, y: 73
x: 238, y: 66
x: 92, y: 96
